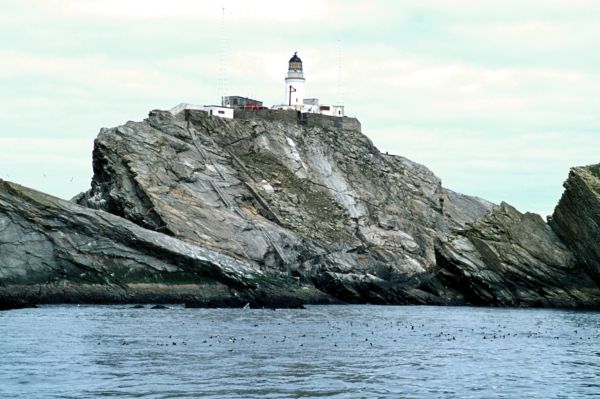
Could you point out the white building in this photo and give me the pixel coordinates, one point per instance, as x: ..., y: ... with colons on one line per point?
x: 311, y: 105
x: 295, y: 91
x: 331, y: 110
x: 217, y: 110
x: 213, y: 110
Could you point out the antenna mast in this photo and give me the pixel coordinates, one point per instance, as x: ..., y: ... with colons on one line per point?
x: 340, y: 96
x: 223, y: 60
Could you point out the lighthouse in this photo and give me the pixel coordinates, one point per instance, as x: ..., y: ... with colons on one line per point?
x: 294, y: 94
x: 294, y: 83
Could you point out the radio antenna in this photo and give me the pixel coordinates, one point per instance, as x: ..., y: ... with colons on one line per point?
x: 340, y: 96
x: 223, y: 60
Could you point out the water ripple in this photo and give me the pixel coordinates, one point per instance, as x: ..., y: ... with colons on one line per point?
x: 320, y: 352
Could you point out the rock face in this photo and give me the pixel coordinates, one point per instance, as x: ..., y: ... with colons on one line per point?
x: 510, y: 258
x: 278, y: 208
x: 577, y: 216
x: 314, y: 200
x: 56, y: 251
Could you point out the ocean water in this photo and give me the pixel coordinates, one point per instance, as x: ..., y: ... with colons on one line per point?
x: 319, y: 352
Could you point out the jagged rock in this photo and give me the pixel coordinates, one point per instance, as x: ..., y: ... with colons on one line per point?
x: 270, y: 210
x: 56, y: 251
x: 315, y: 200
x: 510, y: 258
x: 576, y: 218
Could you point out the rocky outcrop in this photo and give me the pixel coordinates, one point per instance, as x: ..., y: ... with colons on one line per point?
x: 273, y: 208
x: 56, y: 251
x: 576, y: 218
x: 314, y: 200
x: 510, y: 258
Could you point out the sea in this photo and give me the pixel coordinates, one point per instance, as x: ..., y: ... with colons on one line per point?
x: 362, y: 351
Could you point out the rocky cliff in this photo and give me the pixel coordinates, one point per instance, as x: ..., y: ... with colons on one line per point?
x: 577, y: 217
x: 290, y: 210
x: 312, y: 199
x: 54, y: 251
x: 510, y: 258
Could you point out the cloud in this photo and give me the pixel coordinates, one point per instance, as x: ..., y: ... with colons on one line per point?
x: 491, y: 95
x: 529, y: 32
x: 142, y: 9
x: 98, y: 72
x: 405, y: 88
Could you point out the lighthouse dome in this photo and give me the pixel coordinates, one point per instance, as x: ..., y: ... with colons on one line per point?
x: 295, y: 63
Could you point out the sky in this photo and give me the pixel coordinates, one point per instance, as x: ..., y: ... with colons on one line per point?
x: 499, y: 98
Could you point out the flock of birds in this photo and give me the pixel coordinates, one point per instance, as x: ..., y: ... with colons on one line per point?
x: 376, y: 334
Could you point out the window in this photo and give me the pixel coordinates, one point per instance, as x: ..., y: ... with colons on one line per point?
x: 325, y: 108
x: 221, y: 112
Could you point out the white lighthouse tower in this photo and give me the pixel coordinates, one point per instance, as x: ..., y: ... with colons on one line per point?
x: 294, y: 83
